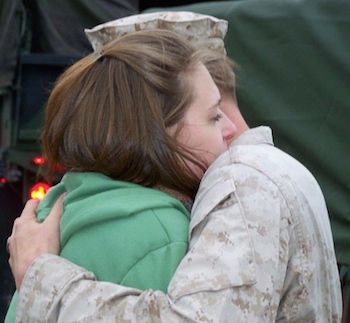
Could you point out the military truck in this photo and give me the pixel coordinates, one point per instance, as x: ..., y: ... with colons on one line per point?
x: 293, y: 75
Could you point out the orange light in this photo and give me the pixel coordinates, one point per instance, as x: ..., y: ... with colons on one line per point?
x: 38, y: 191
x: 39, y: 161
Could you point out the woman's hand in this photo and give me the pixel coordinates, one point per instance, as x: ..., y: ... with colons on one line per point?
x: 30, y: 239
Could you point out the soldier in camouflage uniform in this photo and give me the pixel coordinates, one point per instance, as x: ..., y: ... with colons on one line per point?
x: 261, y: 250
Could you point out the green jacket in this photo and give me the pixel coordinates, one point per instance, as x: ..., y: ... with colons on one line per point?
x: 122, y: 232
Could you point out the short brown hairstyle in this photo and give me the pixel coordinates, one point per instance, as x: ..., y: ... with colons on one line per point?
x: 221, y: 69
x: 110, y: 111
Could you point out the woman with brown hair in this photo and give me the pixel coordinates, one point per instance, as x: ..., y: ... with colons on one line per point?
x: 136, y: 126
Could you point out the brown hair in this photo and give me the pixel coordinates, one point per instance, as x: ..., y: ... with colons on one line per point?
x: 109, y: 112
x: 221, y: 69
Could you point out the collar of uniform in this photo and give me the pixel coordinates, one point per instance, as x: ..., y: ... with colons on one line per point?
x: 255, y: 136
x: 217, y: 182
x: 217, y: 185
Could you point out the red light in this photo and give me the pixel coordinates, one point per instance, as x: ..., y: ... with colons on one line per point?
x: 38, y: 191
x: 39, y: 161
x: 3, y: 180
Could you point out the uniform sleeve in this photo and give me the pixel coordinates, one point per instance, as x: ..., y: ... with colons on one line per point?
x: 56, y: 290
x: 216, y: 282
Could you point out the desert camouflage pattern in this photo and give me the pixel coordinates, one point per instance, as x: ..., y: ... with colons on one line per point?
x: 261, y: 250
x: 200, y: 30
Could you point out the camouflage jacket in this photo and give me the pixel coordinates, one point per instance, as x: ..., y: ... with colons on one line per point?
x: 261, y: 250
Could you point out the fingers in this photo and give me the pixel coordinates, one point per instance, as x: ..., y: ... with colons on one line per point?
x: 8, y: 245
x: 30, y: 239
x: 56, y: 211
x: 28, y: 213
x: 29, y: 209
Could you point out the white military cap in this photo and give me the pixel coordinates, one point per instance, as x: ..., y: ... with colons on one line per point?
x: 201, y: 30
